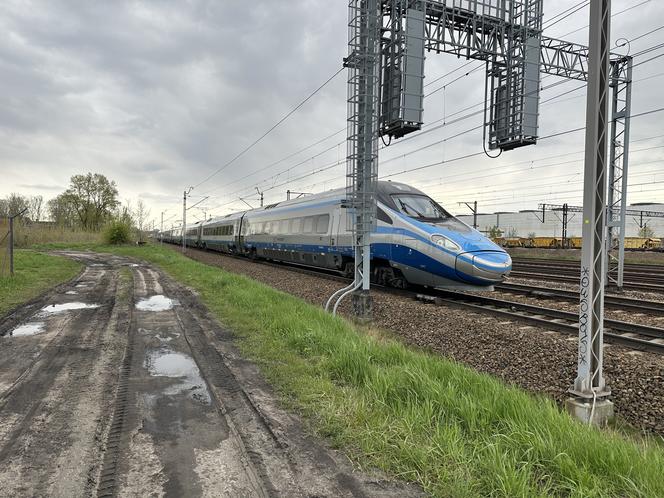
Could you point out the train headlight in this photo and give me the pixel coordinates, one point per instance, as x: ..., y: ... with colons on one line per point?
x: 442, y: 241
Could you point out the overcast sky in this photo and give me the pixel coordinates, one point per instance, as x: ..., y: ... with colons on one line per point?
x: 157, y: 95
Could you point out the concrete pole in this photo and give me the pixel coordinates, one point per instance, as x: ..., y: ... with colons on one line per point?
x: 161, y: 232
x: 590, y: 402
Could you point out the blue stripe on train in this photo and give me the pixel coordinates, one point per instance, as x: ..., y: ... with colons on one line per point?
x: 396, y: 253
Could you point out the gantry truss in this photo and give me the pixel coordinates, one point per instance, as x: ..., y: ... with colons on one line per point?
x: 387, y: 41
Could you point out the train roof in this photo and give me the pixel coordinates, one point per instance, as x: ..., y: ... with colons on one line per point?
x: 384, y: 190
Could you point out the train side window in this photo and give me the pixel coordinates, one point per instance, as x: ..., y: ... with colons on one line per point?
x: 297, y: 225
x: 231, y: 230
x: 289, y: 227
x: 283, y: 226
x: 308, y: 224
x: 322, y: 223
x: 383, y: 216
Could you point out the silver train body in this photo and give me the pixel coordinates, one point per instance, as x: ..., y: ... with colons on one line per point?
x: 415, y: 242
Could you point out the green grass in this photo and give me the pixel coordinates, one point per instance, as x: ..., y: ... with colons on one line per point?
x: 34, y: 274
x: 417, y: 416
x: 38, y: 235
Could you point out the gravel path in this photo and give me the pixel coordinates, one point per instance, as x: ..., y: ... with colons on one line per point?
x: 519, y: 354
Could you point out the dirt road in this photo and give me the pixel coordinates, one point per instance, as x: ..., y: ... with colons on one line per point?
x: 121, y: 384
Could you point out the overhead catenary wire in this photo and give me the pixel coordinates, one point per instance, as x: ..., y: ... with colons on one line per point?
x: 565, y: 12
x: 431, y: 93
x: 255, y: 142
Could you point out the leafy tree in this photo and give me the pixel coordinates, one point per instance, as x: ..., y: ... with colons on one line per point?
x: 532, y: 235
x: 494, y: 232
x: 93, y: 198
x: 646, y: 232
x: 61, y: 211
x: 512, y: 232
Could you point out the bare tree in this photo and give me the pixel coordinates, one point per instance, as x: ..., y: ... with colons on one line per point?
x: 141, y: 214
x: 16, y: 203
x: 35, y: 204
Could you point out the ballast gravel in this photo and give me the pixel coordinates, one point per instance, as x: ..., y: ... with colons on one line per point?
x: 540, y: 361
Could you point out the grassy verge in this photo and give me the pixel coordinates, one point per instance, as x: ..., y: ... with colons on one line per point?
x: 415, y: 415
x: 37, y: 234
x: 34, y: 274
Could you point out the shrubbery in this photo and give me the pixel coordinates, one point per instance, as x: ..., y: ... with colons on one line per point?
x: 117, y: 232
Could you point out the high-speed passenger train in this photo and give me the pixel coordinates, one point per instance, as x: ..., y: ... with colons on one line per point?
x: 416, y: 241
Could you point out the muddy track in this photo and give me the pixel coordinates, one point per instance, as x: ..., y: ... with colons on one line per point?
x: 138, y: 391
x: 57, y: 377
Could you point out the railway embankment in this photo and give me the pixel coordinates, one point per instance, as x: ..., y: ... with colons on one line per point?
x: 416, y: 414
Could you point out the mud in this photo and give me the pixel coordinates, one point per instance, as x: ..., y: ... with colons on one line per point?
x: 133, y: 389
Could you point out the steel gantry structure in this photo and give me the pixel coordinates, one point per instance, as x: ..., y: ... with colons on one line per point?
x: 387, y: 40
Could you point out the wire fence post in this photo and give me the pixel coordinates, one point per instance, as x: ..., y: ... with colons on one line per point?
x: 11, y: 245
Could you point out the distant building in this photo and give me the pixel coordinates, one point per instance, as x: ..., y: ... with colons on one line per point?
x: 527, y: 222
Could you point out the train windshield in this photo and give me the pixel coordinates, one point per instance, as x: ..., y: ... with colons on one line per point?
x: 421, y: 207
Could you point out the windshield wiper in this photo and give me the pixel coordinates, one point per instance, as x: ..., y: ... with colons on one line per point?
x: 410, y: 208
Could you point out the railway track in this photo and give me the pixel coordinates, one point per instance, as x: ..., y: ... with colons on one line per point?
x: 616, y: 302
x: 648, y: 278
x: 631, y: 335
x: 635, y: 336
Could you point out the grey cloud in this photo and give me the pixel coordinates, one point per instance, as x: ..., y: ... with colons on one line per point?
x: 157, y: 95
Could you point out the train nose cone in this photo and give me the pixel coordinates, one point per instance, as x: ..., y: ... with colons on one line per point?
x: 485, y: 266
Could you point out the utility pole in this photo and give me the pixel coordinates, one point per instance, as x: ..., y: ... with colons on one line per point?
x: 473, y: 208
x: 161, y: 232
x: 184, y: 219
x: 590, y: 402
x: 565, y: 221
x: 261, y: 194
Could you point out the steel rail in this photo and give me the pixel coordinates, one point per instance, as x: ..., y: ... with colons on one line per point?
x: 615, y: 331
x: 643, y: 286
x: 619, y: 302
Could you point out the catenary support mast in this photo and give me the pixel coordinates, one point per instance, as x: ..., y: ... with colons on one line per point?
x: 363, y: 63
x: 590, y: 402
x: 621, y: 99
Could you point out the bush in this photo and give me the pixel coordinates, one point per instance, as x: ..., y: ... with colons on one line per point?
x: 117, y: 232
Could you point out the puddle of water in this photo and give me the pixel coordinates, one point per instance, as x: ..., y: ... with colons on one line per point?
x: 33, y: 328
x: 61, y: 308
x: 71, y: 293
x: 156, y: 303
x: 167, y: 363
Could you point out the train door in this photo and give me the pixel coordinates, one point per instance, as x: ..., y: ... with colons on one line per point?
x: 240, y: 232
